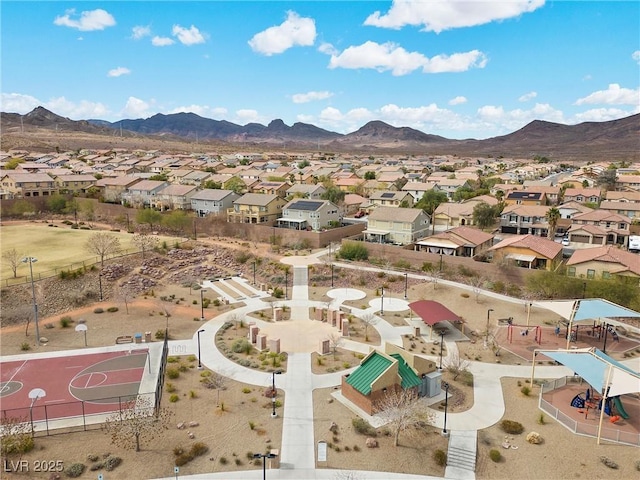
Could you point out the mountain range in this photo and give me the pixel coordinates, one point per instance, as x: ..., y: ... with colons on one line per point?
x: 612, y: 140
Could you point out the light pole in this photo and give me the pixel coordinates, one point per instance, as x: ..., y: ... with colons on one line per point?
x: 529, y: 313
x: 442, y: 332
x: 199, y: 359
x: 445, y: 385
x: 486, y: 338
x: 441, y: 261
x: 382, y: 301
x: 273, y: 392
x: 264, y: 456
x: 100, y: 283
x: 202, y: 304
x: 406, y: 284
x: 286, y: 282
x: 254, y: 273
x: 31, y: 261
x: 332, y: 275
x: 584, y: 289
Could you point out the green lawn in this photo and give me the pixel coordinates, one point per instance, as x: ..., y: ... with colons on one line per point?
x: 54, y: 247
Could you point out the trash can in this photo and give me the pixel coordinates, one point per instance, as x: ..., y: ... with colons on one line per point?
x: 147, y: 337
x: 138, y: 337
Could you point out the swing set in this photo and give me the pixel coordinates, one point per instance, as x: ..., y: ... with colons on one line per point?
x: 525, y: 332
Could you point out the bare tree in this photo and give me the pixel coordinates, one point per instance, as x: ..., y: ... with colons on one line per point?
x: 369, y: 320
x: 436, y: 276
x: 12, y: 258
x: 144, y: 242
x: 136, y: 422
x: 456, y: 365
x: 403, y: 410
x: 215, y: 381
x: 102, y: 244
x: 335, y: 340
x: 477, y: 282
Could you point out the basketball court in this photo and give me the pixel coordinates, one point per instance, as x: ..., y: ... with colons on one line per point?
x: 68, y: 386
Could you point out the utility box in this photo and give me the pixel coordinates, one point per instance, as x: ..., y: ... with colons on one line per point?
x: 431, y: 384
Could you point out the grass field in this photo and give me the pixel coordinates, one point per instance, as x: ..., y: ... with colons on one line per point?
x: 54, y: 247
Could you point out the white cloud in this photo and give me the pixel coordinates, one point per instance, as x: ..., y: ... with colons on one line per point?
x: 245, y: 116
x: 603, y: 115
x: 117, y: 72
x: 328, y: 49
x: 499, y: 119
x: 389, y: 56
x: 18, y: 103
x: 310, y: 96
x: 459, y: 100
x: 294, y: 31
x: 636, y: 56
x: 437, y: 16
x: 140, y: 31
x: 89, y: 20
x: 188, y: 36
x: 528, y: 96
x: 136, y: 108
x: 216, y: 113
x: 614, y: 95
x: 161, y: 41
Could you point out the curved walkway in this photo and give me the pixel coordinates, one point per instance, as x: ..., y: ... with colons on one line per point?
x: 298, y: 382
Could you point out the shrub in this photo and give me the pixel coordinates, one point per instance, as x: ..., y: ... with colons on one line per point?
x: 249, y: 455
x: 183, y: 459
x: 75, y: 470
x: 223, y: 460
x: 177, y: 451
x: 363, y: 427
x: 170, y: 387
x: 246, y: 390
x: 252, y: 425
x: 198, y: 449
x: 173, y: 373
x: 98, y: 310
x: 111, y: 463
x: 495, y: 455
x: 112, y: 309
x: 159, y: 334
x: 193, y: 394
x: 92, y: 457
x: 238, y: 462
x: 440, y: 457
x: 353, y: 251
x: 173, y: 359
x: 24, y: 346
x: 65, y: 322
x: 512, y: 427
x: 356, y: 448
x: 241, y: 345
x: 174, y: 398
x: 525, y: 391
x: 192, y: 358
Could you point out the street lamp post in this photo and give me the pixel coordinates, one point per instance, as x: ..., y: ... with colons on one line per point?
x: 286, y: 283
x: 332, y: 275
x: 264, y: 456
x: 31, y: 261
x: 254, y: 273
x: 199, y: 358
x: 442, y: 332
x: 486, y: 338
x: 445, y: 385
x: 406, y: 284
x: 382, y: 301
x: 273, y: 392
x: 202, y: 304
x: 100, y: 283
x: 441, y: 261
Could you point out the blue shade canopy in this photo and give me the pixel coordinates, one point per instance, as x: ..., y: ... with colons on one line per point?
x: 587, y: 309
x: 585, y: 365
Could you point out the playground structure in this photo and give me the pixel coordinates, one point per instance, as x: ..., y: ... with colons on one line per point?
x: 586, y: 401
x: 537, y: 337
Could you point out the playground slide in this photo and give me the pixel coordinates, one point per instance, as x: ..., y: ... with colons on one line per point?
x: 620, y: 408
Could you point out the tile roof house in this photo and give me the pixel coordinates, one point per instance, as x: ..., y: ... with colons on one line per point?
x: 459, y: 242
x: 390, y: 198
x: 628, y: 209
x: 112, y: 188
x: 603, y: 262
x: 313, y: 192
x: 525, y: 197
x: 417, y: 189
x: 174, y: 197
x: 453, y: 214
x: 256, y: 208
x: 303, y: 214
x: 212, y: 202
x: 600, y: 227
x: 143, y: 193
x: 527, y: 251
x: 396, y: 225
x: 524, y: 219
x: 74, y: 183
x: 27, y: 185
x: 380, y: 372
x: 582, y: 195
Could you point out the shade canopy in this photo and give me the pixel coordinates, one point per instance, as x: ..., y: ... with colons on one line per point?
x: 587, y: 309
x: 433, y: 312
x: 599, y: 370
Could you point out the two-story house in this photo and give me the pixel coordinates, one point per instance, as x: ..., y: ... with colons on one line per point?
x: 450, y: 185
x: 525, y: 197
x: 75, y: 183
x: 174, y: 197
x: 112, y: 188
x: 396, y: 225
x: 600, y: 227
x: 418, y: 189
x: 453, y: 214
x: 143, y: 193
x: 603, y: 262
x: 212, y: 202
x: 583, y: 195
x: 301, y: 190
x: 525, y: 219
x: 271, y: 188
x: 302, y: 214
x: 256, y: 208
x: 391, y: 199
x: 27, y: 185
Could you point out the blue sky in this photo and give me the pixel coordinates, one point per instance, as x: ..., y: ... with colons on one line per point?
x: 459, y: 69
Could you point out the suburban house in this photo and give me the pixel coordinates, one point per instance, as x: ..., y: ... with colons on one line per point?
x: 143, y: 193
x: 525, y: 197
x: 551, y: 192
x: 396, y: 225
x: 75, y: 183
x: 212, y: 202
x: 459, y: 242
x: 628, y: 209
x: 524, y: 219
x: 627, y: 196
x: 583, y: 195
x: 603, y: 262
x: 352, y: 203
x: 600, y: 227
x: 418, y: 189
x: 256, y: 208
x: 380, y: 372
x: 112, y: 188
x: 453, y: 214
x: 312, y: 192
x: 390, y: 199
x: 26, y: 185
x: 174, y: 197
x: 302, y: 214
x: 628, y: 182
x: 527, y: 251
x: 449, y: 185
x: 271, y: 188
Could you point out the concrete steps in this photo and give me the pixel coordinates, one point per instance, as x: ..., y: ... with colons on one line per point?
x: 461, y: 454
x: 461, y: 458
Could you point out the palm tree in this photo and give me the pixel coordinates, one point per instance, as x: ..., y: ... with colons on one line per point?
x: 552, y: 216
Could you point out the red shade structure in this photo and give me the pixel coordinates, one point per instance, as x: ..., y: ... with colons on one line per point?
x: 433, y: 312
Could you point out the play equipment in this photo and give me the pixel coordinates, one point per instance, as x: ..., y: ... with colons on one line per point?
x: 525, y: 332
x: 621, y: 411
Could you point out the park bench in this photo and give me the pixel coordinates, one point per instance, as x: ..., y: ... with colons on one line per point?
x: 124, y: 339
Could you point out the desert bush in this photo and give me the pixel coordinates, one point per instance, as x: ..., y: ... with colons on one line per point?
x: 495, y: 455
x: 241, y: 345
x: 440, y: 457
x: 65, y: 322
x: 112, y: 309
x: 75, y: 470
x: 160, y: 334
x: 111, y: 463
x: 223, y: 460
x: 353, y: 251
x: 173, y: 359
x: 525, y: 391
x: 183, y: 459
x: 512, y: 427
x: 363, y: 427
x: 98, y: 310
x: 24, y: 346
x: 198, y: 449
x: 173, y: 373
x: 177, y: 451
x: 174, y: 398
x: 92, y: 457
